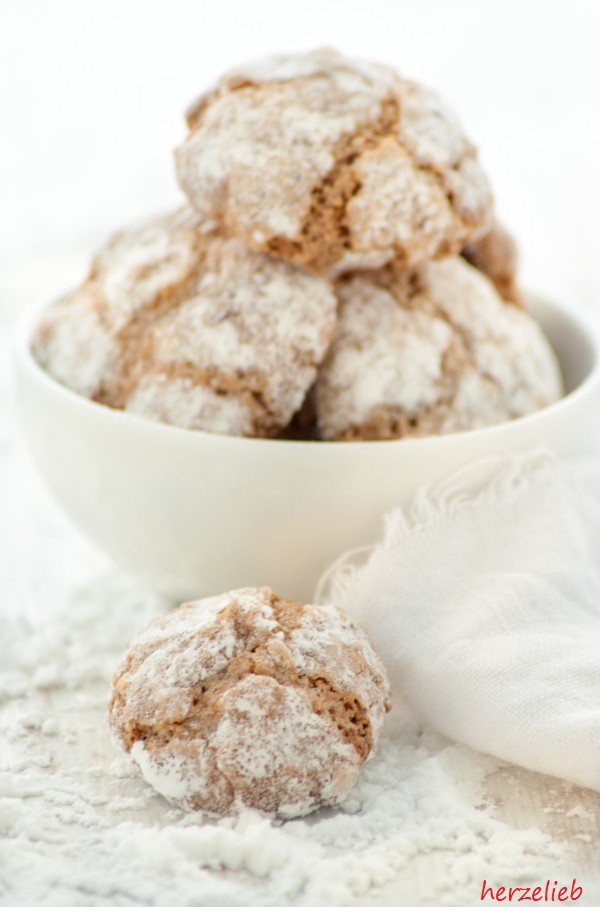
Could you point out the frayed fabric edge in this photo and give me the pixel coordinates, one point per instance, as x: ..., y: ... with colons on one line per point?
x: 488, y: 481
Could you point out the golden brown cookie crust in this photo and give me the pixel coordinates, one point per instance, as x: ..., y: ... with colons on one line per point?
x: 362, y: 165
x: 185, y: 326
x: 250, y: 699
x: 430, y: 352
x: 496, y: 254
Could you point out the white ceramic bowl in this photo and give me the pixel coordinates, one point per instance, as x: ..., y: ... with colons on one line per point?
x: 191, y: 513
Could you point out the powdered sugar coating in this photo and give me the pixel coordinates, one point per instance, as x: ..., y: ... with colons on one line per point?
x: 398, y: 207
x: 182, y: 325
x: 74, y: 345
x: 431, y: 352
x: 146, y: 260
x: 241, y: 321
x: 347, y: 145
x: 248, y: 699
x: 319, y: 640
x: 302, y: 752
x: 178, y: 401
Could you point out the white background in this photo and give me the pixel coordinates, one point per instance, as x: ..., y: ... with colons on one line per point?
x: 92, y: 97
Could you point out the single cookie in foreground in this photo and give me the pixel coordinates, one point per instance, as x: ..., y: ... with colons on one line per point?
x: 333, y: 163
x: 184, y: 326
x: 247, y: 699
x: 430, y: 352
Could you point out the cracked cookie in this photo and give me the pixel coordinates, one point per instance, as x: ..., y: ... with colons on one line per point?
x: 430, y: 352
x: 333, y: 163
x: 247, y: 699
x: 182, y: 325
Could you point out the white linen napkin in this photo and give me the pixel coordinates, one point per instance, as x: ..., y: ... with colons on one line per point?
x: 483, y: 599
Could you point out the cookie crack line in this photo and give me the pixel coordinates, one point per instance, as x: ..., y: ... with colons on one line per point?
x: 327, y: 212
x: 268, y: 725
x: 355, y: 707
x: 353, y: 107
x: 133, y: 339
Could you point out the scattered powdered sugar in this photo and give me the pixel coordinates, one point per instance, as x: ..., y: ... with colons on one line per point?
x: 71, y: 794
x: 80, y: 828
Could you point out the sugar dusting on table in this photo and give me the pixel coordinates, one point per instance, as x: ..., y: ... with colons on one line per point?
x: 79, y: 827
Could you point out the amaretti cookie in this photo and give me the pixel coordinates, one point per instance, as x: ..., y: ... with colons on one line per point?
x: 332, y: 162
x: 430, y: 352
x: 496, y: 255
x: 180, y: 324
x: 247, y: 699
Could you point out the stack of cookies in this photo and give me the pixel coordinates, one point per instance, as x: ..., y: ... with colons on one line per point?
x: 337, y: 272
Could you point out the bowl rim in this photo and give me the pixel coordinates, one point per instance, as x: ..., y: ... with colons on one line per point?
x: 587, y: 321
